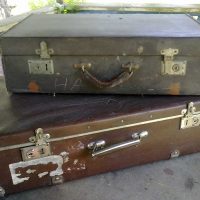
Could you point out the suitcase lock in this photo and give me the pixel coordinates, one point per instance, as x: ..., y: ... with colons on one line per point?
x: 44, y: 65
x: 190, y: 118
x: 41, y: 148
x: 171, y: 66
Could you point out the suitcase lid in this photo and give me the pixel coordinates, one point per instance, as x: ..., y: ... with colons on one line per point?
x: 27, y: 34
x: 106, y: 25
x: 25, y: 112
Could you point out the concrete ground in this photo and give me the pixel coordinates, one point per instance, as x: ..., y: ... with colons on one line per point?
x: 177, y: 179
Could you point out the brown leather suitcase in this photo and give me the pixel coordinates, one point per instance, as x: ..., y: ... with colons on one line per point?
x: 103, y: 53
x: 45, y: 140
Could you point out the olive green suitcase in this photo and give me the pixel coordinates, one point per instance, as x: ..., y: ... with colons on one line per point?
x: 103, y: 53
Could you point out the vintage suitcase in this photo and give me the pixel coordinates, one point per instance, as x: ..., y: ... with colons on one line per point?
x: 45, y: 139
x: 103, y: 53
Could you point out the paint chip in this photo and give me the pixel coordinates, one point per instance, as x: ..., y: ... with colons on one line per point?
x: 33, y: 87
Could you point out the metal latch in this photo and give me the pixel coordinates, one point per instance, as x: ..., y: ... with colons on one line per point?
x: 41, y: 147
x: 44, y: 52
x: 170, y: 66
x: 43, y: 65
x: 190, y: 118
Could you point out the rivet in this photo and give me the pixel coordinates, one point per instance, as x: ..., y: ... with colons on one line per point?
x: 175, y: 154
x: 175, y: 67
x: 195, y: 120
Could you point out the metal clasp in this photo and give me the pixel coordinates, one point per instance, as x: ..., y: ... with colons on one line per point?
x: 190, y: 118
x: 171, y: 67
x: 98, y: 147
x: 41, y: 147
x: 44, y: 52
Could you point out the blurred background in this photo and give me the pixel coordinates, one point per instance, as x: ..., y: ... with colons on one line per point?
x: 15, y: 7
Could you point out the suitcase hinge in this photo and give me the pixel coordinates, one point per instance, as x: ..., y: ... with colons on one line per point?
x: 41, y: 147
x: 190, y: 118
x: 171, y: 67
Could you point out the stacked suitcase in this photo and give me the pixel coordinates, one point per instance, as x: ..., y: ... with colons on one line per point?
x: 47, y: 139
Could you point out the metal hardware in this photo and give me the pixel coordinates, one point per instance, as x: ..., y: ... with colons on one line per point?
x: 44, y: 52
x: 83, y: 66
x: 175, y: 154
x: 170, y: 66
x: 2, y: 192
x: 130, y: 66
x: 41, y: 148
x: 98, y: 147
x: 41, y: 66
x: 58, y: 179
x: 190, y: 118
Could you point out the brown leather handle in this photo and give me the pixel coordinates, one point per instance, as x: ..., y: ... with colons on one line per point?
x: 125, y: 75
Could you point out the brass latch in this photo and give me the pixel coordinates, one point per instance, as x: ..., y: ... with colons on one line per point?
x: 40, y: 148
x: 44, y: 65
x: 190, y: 118
x: 44, y: 52
x: 170, y: 66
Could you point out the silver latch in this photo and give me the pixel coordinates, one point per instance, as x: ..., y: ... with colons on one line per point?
x: 190, y: 118
x: 41, y: 147
x: 171, y: 67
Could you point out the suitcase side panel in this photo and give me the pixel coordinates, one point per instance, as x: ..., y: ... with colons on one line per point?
x: 163, y: 140
x: 146, y: 78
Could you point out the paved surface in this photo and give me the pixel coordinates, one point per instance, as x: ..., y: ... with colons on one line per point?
x: 177, y: 179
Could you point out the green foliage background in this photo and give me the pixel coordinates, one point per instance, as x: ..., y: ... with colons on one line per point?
x: 71, y: 6
x: 36, y: 4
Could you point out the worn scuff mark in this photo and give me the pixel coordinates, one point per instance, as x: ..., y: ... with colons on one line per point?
x: 40, y: 175
x: 77, y: 146
x: 140, y: 50
x: 82, y: 166
x: 54, y: 159
x: 118, y: 58
x: 65, y: 156
x: 79, y: 166
x: 75, y: 161
x: 80, y: 145
x: 30, y: 171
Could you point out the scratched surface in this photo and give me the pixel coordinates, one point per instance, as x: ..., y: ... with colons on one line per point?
x: 177, y: 179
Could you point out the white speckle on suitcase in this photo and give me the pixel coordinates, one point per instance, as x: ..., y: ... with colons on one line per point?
x: 42, y: 174
x: 30, y: 171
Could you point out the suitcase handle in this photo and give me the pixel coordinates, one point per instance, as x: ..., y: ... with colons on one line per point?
x: 98, y: 147
x: 125, y: 75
